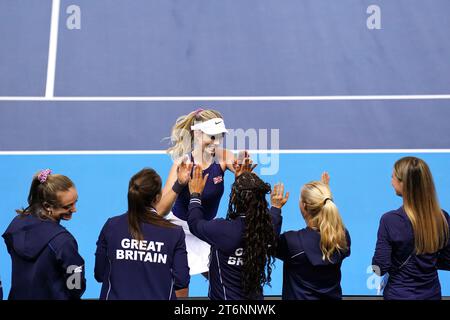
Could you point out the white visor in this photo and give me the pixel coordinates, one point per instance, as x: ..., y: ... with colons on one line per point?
x: 211, y: 127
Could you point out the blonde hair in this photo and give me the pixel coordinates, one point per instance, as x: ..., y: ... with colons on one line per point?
x: 181, y: 135
x: 421, y: 205
x: 323, y: 216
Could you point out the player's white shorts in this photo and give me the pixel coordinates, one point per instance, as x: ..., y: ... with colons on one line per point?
x: 198, y: 250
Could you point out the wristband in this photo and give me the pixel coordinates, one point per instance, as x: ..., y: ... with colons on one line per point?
x: 177, y: 187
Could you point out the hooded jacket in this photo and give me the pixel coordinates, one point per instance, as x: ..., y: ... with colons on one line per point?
x: 45, y: 260
x: 306, y: 275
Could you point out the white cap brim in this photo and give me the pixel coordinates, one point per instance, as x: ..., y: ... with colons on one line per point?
x: 211, y: 127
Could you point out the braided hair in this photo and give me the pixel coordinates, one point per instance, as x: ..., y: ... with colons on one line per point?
x: 248, y: 198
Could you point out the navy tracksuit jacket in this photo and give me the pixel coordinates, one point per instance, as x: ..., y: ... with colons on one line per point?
x: 226, y: 240
x: 306, y: 276
x: 45, y: 260
x: 151, y: 269
x: 411, y: 276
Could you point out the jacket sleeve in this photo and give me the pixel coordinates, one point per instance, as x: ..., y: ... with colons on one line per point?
x: 282, y: 247
x: 382, y: 261
x: 180, y: 268
x: 72, y: 264
x: 277, y: 219
x: 215, y: 232
x: 349, y: 243
x: 101, y: 256
x: 443, y: 261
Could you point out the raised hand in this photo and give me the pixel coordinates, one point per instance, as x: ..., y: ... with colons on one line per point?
x: 242, y: 155
x: 277, y: 197
x: 184, y: 171
x: 325, y: 178
x: 243, y: 164
x: 197, y: 182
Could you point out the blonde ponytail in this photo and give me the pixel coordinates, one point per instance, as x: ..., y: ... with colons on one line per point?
x: 323, y: 216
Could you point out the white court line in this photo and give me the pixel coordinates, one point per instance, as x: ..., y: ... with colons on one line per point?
x: 52, y: 50
x: 293, y: 151
x: 49, y: 97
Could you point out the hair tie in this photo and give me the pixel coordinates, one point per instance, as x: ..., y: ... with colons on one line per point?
x: 326, y: 199
x: 43, y: 175
x: 198, y: 111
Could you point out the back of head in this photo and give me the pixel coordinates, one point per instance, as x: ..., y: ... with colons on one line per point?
x: 144, y: 191
x: 181, y: 135
x: 323, y: 216
x: 421, y: 205
x: 44, y: 190
x: 248, y: 198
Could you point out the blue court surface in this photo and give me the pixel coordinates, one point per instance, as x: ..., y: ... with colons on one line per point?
x: 91, y: 89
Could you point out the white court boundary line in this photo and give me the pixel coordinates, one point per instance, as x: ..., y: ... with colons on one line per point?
x: 51, y: 73
x: 50, y: 87
x: 52, y: 50
x: 159, y: 152
x: 49, y: 96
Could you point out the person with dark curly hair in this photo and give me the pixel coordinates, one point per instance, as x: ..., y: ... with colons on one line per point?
x: 242, y: 245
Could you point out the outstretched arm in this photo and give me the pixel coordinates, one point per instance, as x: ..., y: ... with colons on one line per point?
x: 199, y: 227
x: 178, y: 178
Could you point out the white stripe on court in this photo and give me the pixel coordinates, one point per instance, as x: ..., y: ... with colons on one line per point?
x: 154, y: 152
x: 51, y: 77
x: 52, y: 50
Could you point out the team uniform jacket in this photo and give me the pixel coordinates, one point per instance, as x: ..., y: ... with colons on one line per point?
x: 306, y: 276
x: 151, y: 269
x: 411, y: 276
x: 45, y: 260
x: 226, y: 240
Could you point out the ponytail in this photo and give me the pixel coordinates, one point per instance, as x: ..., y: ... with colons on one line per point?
x: 44, y: 188
x: 332, y: 231
x: 143, y: 190
x: 323, y: 216
x: 136, y: 206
